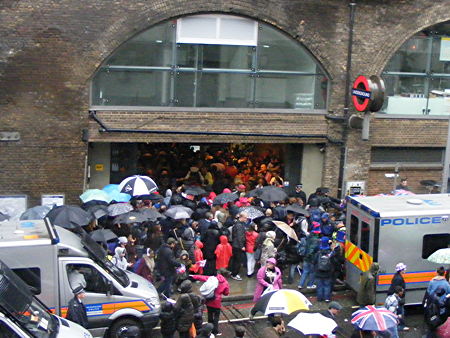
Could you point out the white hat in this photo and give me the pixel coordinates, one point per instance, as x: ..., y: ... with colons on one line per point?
x: 123, y: 240
x: 400, y: 267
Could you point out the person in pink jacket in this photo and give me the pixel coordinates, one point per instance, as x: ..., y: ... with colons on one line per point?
x: 268, y: 275
x: 214, y: 305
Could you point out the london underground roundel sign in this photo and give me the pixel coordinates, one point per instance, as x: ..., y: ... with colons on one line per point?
x: 368, y: 93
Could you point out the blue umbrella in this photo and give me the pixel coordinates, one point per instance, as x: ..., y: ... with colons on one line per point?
x: 95, y: 195
x: 113, y: 191
x: 37, y: 212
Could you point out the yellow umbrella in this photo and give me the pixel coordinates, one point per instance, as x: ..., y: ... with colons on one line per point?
x: 286, y: 229
x: 281, y: 301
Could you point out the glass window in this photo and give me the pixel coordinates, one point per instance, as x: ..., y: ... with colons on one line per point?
x: 407, y: 155
x: 289, y: 91
x: 365, y: 236
x: 417, y: 77
x: 87, y: 276
x: 278, y: 52
x: 31, y: 276
x: 152, y: 47
x: 354, y: 227
x: 434, y: 242
x: 131, y: 88
x: 439, y: 62
x: 211, y: 61
x: 224, y: 90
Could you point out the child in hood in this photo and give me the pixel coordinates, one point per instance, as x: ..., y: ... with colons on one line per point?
x: 182, y: 274
x: 223, y: 253
x: 197, y: 267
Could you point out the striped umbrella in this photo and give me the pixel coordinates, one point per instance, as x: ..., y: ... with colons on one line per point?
x: 281, y: 301
x: 374, y: 318
x: 137, y: 185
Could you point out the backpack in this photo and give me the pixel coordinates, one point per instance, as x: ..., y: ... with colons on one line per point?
x: 301, y: 247
x: 207, y: 290
x: 324, y: 263
x: 431, y: 312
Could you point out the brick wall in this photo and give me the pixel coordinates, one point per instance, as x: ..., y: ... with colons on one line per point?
x: 379, y: 184
x: 50, y: 49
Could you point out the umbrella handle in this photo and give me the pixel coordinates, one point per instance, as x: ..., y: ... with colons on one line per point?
x: 178, y: 239
x: 281, y: 243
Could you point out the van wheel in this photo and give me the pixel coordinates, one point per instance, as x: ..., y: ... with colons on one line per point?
x: 121, y: 325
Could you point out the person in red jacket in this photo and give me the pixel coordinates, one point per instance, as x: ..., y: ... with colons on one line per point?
x: 250, y: 239
x: 223, y: 252
x: 214, y: 305
x: 197, y: 267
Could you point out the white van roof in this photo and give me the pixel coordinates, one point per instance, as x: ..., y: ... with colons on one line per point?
x: 26, y: 233
x: 408, y: 205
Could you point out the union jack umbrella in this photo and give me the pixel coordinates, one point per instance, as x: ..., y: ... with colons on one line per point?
x: 374, y: 318
x: 137, y: 185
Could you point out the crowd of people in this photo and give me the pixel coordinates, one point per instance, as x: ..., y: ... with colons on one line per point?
x: 234, y: 238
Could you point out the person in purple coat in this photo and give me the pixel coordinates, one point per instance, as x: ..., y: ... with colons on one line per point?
x: 268, y: 275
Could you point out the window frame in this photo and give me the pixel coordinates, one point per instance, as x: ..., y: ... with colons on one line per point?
x: 427, y: 76
x: 253, y: 72
x: 431, y: 251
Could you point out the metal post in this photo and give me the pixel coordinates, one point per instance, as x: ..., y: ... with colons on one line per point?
x: 445, y: 172
x: 343, y: 159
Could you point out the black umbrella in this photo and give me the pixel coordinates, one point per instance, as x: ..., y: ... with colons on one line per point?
x: 271, y: 194
x: 102, y: 235
x: 138, y: 216
x: 3, y: 217
x: 295, y: 208
x: 92, y: 203
x: 225, y: 197
x: 149, y: 197
x: 97, y: 211
x: 252, y: 212
x: 194, y: 190
x: 37, y: 212
x: 69, y: 216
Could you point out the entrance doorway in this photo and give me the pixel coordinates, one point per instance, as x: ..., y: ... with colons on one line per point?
x: 244, y: 163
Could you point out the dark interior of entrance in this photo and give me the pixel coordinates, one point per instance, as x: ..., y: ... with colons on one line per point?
x: 170, y: 163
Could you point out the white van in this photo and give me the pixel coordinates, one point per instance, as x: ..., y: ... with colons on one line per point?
x: 22, y: 315
x: 46, y: 257
x: 394, y: 229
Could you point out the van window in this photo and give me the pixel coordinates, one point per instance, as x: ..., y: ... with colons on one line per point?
x: 6, y: 331
x: 434, y: 242
x: 354, y: 229
x: 31, y: 276
x: 87, y: 276
x: 365, y: 236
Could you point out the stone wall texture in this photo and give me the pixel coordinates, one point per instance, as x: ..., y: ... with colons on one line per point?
x: 49, y: 50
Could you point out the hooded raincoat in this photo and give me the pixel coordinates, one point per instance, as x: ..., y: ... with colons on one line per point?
x: 223, y: 252
x: 366, y: 294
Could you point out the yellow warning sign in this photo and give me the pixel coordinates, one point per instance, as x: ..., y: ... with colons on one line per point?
x: 357, y: 257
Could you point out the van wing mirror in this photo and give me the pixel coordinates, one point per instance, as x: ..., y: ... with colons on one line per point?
x: 110, y: 288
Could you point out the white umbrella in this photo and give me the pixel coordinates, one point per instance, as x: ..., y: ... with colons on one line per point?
x: 138, y: 185
x: 313, y: 323
x: 441, y: 256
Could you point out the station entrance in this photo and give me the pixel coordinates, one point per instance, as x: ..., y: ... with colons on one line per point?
x: 235, y: 163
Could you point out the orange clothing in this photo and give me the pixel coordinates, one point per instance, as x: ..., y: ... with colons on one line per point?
x: 198, y: 256
x: 223, y: 253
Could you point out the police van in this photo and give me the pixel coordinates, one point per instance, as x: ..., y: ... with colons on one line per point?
x: 54, y: 261
x: 393, y: 229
